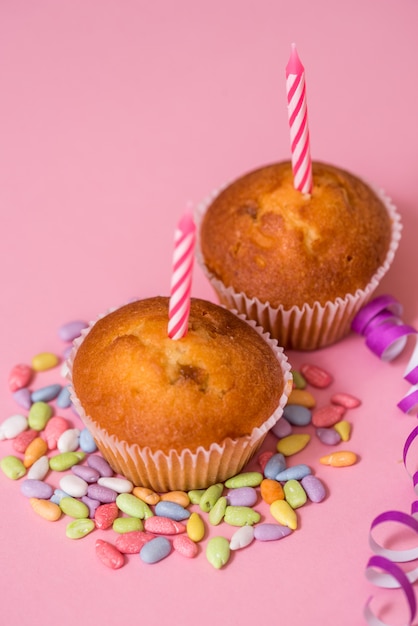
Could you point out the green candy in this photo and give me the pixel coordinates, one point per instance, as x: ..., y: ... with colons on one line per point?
x: 39, y: 414
x: 127, y: 524
x: 133, y: 506
x: 298, y: 380
x: 79, y: 528
x: 217, y: 512
x: 73, y: 507
x: 65, y: 460
x: 12, y: 467
x: 195, y: 495
x: 294, y: 493
x: 218, y: 552
x: 246, y: 479
x: 241, y: 516
x: 210, y: 496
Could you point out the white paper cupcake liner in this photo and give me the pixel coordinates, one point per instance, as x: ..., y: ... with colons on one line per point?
x: 309, y: 327
x: 186, y: 469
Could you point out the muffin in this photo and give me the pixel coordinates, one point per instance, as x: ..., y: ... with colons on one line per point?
x: 301, y: 265
x: 177, y: 414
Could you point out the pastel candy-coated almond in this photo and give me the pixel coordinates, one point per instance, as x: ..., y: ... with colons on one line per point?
x: 316, y: 376
x: 346, y: 400
x: 275, y: 465
x: 163, y: 526
x: 37, y: 448
x: 242, y: 538
x: 195, y: 495
x: 20, y: 376
x: 293, y: 444
x: 46, y: 509
x: 245, y: 479
x: 155, y: 550
x: 271, y: 532
x: 73, y: 507
x: 109, y: 555
x: 242, y: 496
x: 210, y: 497
x: 102, y: 494
x: 302, y: 397
x: 12, y: 467
x: 23, y: 440
x: 217, y: 512
x: 132, y: 542
x: 314, y: 488
x: 39, y: 469
x: 294, y: 493
x: 297, y: 415
x: 71, y: 330
x: 328, y: 436
x: 79, y: 528
x: 32, y: 488
x: 263, y: 458
x: 342, y: 458
x: 55, y: 427
x: 23, y: 397
x: 327, y: 415
x: 69, y: 440
x: 127, y: 524
x: 74, y: 485
x: 39, y: 414
x: 284, y: 514
x: 91, y: 504
x: 133, y: 506
x: 99, y: 463
x: 179, y: 497
x: 271, y: 490
x: 343, y: 428
x: 185, y: 546
x: 13, y: 426
x: 86, y: 441
x: 89, y: 474
x: 44, y: 361
x: 241, y: 516
x: 146, y: 495
x: 165, y: 508
x: 64, y: 398
x: 58, y: 495
x: 46, y: 394
x: 120, y: 485
x: 298, y: 380
x: 106, y: 514
x: 218, y: 552
x: 195, y: 527
x: 282, y: 428
x: 296, y: 472
x: 64, y: 461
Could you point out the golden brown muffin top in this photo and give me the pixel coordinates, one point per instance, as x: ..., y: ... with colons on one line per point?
x: 221, y: 380
x: 264, y: 238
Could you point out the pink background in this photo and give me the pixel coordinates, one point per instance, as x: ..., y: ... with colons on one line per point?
x: 113, y: 117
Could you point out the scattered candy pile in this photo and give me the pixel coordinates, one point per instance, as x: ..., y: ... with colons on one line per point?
x: 62, y: 474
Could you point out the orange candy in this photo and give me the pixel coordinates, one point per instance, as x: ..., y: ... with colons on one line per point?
x: 271, y: 490
x: 37, y: 448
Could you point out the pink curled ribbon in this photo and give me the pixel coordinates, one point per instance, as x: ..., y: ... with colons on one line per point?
x: 386, y: 336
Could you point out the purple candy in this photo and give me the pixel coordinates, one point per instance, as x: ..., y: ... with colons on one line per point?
x: 89, y: 474
x: 270, y: 532
x: 32, y: 488
x: 71, y: 330
x: 91, y: 504
x: 314, y: 488
x: 23, y: 397
x: 102, y: 494
x: 242, y: 496
x: 100, y: 464
x: 329, y: 436
x: 282, y: 428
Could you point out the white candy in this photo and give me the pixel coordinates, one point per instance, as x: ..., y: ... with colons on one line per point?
x: 69, y: 440
x: 13, y: 426
x: 39, y: 469
x: 120, y: 485
x: 242, y: 537
x: 74, y: 485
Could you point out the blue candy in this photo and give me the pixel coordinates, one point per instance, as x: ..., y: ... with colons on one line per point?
x: 294, y: 473
x: 172, y: 510
x: 297, y: 415
x: 155, y: 550
x: 275, y: 465
x: 87, y: 443
x: 46, y: 394
x: 63, y: 398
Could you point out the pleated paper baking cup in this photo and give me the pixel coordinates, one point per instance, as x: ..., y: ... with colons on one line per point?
x: 309, y: 327
x: 186, y: 469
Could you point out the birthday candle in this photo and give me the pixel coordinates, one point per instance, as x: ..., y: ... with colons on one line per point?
x: 298, y: 122
x: 181, y: 279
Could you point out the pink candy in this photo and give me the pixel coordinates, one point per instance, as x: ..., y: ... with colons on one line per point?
x: 55, y: 427
x: 131, y: 543
x: 185, y: 546
x: 105, y: 515
x: 316, y: 376
x: 346, y: 400
x: 20, y: 376
x: 327, y: 415
x: 163, y: 526
x: 109, y: 554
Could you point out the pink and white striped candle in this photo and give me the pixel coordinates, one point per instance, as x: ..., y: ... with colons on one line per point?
x: 298, y: 122
x: 181, y: 279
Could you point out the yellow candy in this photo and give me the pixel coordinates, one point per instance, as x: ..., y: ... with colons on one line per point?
x: 293, y: 443
x: 195, y: 527
x: 284, y: 514
x: 44, y: 361
x: 343, y: 428
x: 302, y: 397
x: 46, y: 509
x: 343, y: 458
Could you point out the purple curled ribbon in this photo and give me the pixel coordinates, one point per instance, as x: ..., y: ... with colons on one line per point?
x: 373, y: 308
x: 400, y: 580
x: 398, y: 556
